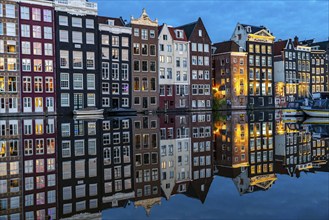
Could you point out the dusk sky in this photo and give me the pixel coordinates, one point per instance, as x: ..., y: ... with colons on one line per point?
x: 285, y: 19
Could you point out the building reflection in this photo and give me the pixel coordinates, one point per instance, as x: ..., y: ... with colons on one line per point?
x: 39, y: 168
x: 293, y: 147
x: 70, y: 168
x: 11, y: 186
x: 244, y: 149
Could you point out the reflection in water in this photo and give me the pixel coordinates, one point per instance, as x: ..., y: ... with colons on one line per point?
x: 59, y: 167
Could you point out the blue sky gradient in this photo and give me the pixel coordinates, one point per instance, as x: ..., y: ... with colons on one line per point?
x: 289, y: 198
x: 307, y: 19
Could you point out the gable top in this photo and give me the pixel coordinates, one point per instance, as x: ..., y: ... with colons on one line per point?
x: 188, y: 28
x: 144, y: 19
x: 264, y: 32
x: 253, y: 29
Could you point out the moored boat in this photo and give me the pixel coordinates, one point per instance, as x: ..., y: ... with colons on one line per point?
x: 88, y: 111
x: 319, y: 105
x: 293, y: 109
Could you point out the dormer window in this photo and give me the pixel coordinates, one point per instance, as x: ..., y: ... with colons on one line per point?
x: 248, y: 29
x: 179, y: 34
x: 110, y: 22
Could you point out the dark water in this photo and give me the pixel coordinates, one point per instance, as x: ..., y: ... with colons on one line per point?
x: 228, y: 165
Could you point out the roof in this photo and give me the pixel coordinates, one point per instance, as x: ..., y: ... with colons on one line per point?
x: 173, y: 34
x: 323, y: 45
x: 279, y: 46
x: 188, y: 28
x: 160, y: 29
x: 117, y: 21
x: 226, y: 46
x: 253, y: 28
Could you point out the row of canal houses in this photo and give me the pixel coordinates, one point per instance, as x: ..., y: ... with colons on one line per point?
x: 61, y: 167
x: 59, y: 56
x: 252, y: 70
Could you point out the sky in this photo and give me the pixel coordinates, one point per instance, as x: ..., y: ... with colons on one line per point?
x: 288, y: 198
x: 307, y: 19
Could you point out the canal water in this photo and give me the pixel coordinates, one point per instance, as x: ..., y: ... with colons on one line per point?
x: 199, y: 165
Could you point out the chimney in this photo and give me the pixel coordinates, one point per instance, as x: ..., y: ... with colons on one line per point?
x: 296, y: 41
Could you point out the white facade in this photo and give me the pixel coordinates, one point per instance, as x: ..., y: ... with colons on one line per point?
x: 174, y: 66
x: 76, y: 7
x: 175, y: 158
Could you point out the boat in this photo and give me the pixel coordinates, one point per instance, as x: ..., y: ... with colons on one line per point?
x: 319, y: 105
x: 88, y: 111
x: 293, y: 109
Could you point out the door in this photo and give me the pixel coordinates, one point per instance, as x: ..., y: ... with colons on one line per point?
x: 38, y: 104
x: 27, y: 105
x: 115, y: 103
x: 145, y: 105
x: 50, y: 104
x: 78, y: 100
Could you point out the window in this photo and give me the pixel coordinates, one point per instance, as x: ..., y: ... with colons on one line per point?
x: 65, y: 100
x: 63, y: 36
x: 26, y: 47
x: 76, y: 22
x: 25, y: 13
x: 152, y: 50
x: 37, y: 65
x: 48, y: 33
x: 77, y: 37
x: 63, y: 20
x: 200, y: 33
x: 11, y: 29
x: 25, y: 30
x: 90, y: 81
x: 136, y: 65
x: 91, y: 101
x: 125, y: 41
x: 38, y: 84
x: 89, y: 23
x: 115, y: 53
x: 26, y: 65
x: 47, y: 15
x: 48, y: 49
x: 144, y: 49
x: 152, y: 34
x: 144, y: 34
x: 136, y: 49
x: 77, y: 81
x: 49, y: 84
x: 36, y: 31
x: 115, y: 71
x: 77, y: 60
x: 36, y: 14
x: 37, y: 49
x: 11, y: 64
x: 64, y: 77
x: 115, y: 41
x: 136, y: 32
x: 48, y: 66
x: 124, y: 54
x: 124, y: 72
x: 90, y: 60
x: 90, y: 38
